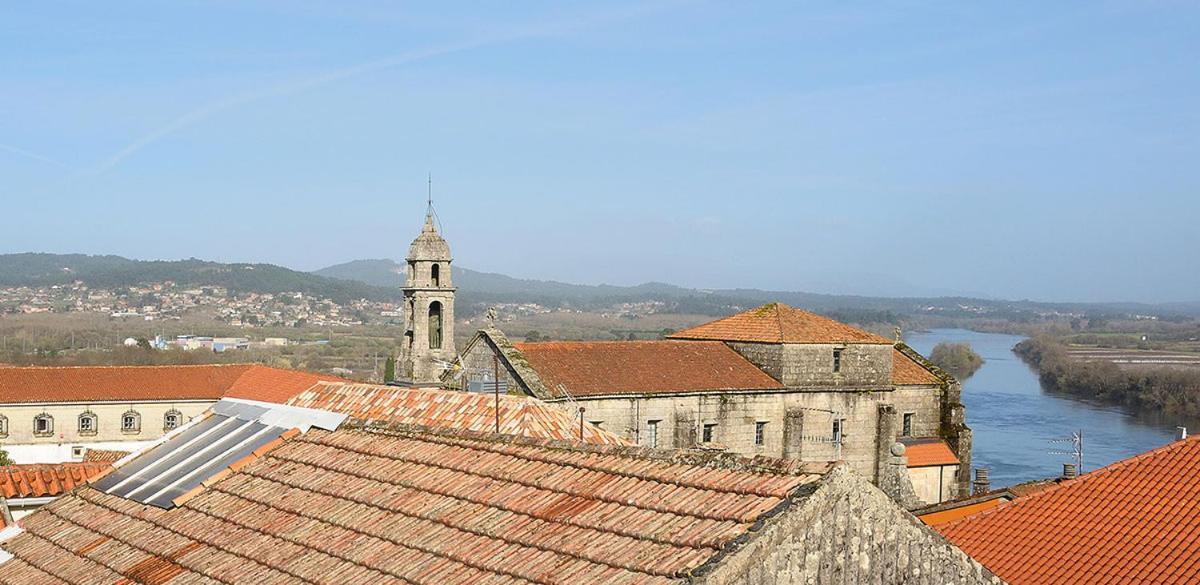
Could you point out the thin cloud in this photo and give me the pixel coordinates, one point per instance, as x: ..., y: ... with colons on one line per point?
x: 389, y: 62
x: 32, y: 155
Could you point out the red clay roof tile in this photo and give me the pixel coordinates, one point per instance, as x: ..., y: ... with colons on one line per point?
x: 1135, y: 520
x: 907, y: 372
x: 926, y: 452
x: 134, y: 383
x: 779, y: 323
x: 599, y: 368
x: 526, y: 417
x: 40, y: 480
x: 404, y: 505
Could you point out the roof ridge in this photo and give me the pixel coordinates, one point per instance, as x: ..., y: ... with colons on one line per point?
x: 1098, y: 473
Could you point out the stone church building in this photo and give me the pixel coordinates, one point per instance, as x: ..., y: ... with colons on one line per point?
x: 773, y: 381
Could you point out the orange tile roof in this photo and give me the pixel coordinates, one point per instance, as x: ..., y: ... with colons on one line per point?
x: 40, y: 480
x: 779, y: 323
x: 599, y: 368
x: 526, y: 417
x: 104, y: 455
x: 1135, y: 521
x: 952, y: 514
x: 907, y: 372
x: 926, y: 452
x: 135, y: 383
x: 408, y: 506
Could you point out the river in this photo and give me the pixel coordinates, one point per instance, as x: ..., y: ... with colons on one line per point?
x: 1014, y: 419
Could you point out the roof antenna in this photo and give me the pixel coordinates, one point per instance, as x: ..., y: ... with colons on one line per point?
x: 429, y: 197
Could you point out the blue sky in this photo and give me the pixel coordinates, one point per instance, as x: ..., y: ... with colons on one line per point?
x: 1018, y: 150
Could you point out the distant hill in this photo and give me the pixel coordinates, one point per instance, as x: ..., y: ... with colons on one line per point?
x: 35, y: 269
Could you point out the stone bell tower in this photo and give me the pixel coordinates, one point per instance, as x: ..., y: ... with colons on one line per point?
x: 428, y: 308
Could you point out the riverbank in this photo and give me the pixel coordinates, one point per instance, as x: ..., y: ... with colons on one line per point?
x: 1166, y: 390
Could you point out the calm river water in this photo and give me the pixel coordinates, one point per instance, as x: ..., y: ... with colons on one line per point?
x: 1013, y: 419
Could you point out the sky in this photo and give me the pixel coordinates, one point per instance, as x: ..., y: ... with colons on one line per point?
x: 1040, y: 150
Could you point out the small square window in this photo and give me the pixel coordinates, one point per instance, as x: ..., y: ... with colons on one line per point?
x: 907, y: 427
x: 77, y: 452
x: 760, y: 433
x: 43, y: 425
x: 88, y: 423
x: 131, y: 422
x: 172, y: 419
x: 708, y: 432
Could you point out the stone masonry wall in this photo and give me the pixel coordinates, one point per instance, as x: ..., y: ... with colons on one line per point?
x: 846, y: 531
x: 812, y: 365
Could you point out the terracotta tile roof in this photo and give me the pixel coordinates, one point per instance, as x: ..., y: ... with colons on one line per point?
x: 907, y: 372
x: 132, y: 383
x: 103, y: 455
x: 779, y: 323
x: 1135, y: 521
x: 599, y: 368
x: 40, y: 480
x: 925, y: 452
x: 409, y: 506
x: 526, y: 417
x: 957, y: 513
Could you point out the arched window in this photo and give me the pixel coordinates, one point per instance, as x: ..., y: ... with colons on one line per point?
x: 88, y: 423
x: 435, y: 274
x: 43, y: 425
x: 435, y: 325
x: 131, y: 422
x: 3, y: 426
x: 172, y: 419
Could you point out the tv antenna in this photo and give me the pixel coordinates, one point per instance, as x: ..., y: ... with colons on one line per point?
x: 1075, y: 451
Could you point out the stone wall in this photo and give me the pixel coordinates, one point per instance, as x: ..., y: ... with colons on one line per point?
x: 846, y: 531
x: 478, y: 360
x: 936, y: 483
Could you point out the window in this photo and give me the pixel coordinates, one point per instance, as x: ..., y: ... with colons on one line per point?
x: 837, y: 360
x: 88, y: 423
x: 43, y: 425
x: 172, y: 419
x: 708, y: 432
x: 435, y: 325
x: 77, y: 452
x: 435, y: 275
x: 838, y: 425
x: 907, y: 430
x: 3, y: 426
x: 131, y: 422
x: 652, y: 433
x: 760, y: 433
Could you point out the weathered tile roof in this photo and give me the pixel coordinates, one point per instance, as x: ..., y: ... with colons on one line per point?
x: 134, y: 383
x: 924, y: 452
x: 779, y: 323
x: 948, y: 515
x: 404, y: 505
x: 907, y: 371
x: 598, y: 368
x: 40, y: 480
x: 1135, y: 521
x: 519, y: 415
x: 104, y: 455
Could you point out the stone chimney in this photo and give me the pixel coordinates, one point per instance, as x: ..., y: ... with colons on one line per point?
x: 1070, y: 471
x: 1181, y: 433
x: 982, y: 483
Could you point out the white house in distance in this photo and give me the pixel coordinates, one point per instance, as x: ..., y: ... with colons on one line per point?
x: 55, y: 414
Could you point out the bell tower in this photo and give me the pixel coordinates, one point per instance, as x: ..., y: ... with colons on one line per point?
x: 428, y: 308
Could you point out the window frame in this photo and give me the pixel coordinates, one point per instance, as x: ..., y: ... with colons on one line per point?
x: 708, y: 432
x: 170, y: 413
x: 3, y: 426
x: 87, y: 415
x: 760, y: 433
x: 837, y: 359
x: 652, y: 433
x: 45, y: 416
x: 906, y: 424
x: 839, y: 430
x: 137, y: 422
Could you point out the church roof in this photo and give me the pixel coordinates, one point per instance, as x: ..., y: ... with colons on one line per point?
x: 429, y: 245
x: 519, y: 415
x: 598, y: 368
x: 779, y: 323
x: 407, y: 505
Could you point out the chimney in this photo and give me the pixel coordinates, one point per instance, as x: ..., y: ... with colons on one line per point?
x: 1181, y: 433
x: 982, y: 484
x: 1069, y: 471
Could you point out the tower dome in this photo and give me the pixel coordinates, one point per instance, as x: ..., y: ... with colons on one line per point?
x: 429, y: 245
